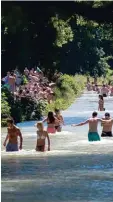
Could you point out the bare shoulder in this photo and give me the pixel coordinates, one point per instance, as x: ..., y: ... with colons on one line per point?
x: 17, y: 128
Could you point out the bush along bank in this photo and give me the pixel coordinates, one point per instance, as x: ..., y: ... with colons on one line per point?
x: 67, y: 89
x: 25, y: 109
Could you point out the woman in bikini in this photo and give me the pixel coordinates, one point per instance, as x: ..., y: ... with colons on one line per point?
x: 52, y: 121
x: 101, y: 103
x: 41, y: 137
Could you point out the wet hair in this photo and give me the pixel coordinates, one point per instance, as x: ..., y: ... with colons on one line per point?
x: 40, y: 124
x: 51, y: 117
x: 101, y: 97
x: 10, y: 120
x: 57, y: 110
x: 12, y: 73
x: 107, y: 114
x: 94, y: 114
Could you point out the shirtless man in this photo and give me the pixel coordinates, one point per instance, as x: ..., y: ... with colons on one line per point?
x: 107, y: 126
x: 93, y: 124
x: 12, y: 81
x: 104, y: 91
x: 12, y: 136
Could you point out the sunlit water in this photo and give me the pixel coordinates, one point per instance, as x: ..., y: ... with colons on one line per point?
x: 74, y: 169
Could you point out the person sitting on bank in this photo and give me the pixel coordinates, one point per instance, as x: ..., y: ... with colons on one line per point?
x: 93, y: 124
x: 13, y: 132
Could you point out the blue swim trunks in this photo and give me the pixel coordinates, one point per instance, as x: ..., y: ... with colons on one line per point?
x: 11, y: 147
x: 93, y: 136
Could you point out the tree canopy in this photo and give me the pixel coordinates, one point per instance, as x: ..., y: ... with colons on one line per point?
x: 72, y: 36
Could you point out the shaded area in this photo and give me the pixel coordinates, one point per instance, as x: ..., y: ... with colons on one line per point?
x: 46, y: 180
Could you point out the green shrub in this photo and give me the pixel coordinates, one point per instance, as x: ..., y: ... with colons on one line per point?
x: 67, y: 89
x: 5, y: 109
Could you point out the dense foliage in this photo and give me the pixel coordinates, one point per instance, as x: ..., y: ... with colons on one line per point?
x: 67, y: 89
x: 69, y: 36
x: 21, y: 110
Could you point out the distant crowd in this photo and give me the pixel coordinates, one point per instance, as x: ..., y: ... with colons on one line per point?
x: 104, y: 89
x: 31, y: 83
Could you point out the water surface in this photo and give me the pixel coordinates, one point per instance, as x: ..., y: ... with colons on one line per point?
x: 74, y: 169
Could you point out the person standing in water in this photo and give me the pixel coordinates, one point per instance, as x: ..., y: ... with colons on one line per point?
x: 93, y: 124
x: 104, y: 91
x: 41, y: 137
x: 107, y: 124
x: 52, y: 121
x: 61, y: 120
x: 101, y: 103
x: 12, y: 136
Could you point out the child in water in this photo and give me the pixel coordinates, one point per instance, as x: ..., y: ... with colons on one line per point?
x: 41, y: 137
x: 60, y: 119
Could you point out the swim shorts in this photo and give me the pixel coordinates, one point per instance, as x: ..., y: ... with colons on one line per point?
x: 104, y: 95
x: 11, y: 147
x: 93, y: 136
x: 51, y: 130
x: 106, y: 134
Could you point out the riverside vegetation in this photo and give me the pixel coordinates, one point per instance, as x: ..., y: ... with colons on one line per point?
x: 66, y: 90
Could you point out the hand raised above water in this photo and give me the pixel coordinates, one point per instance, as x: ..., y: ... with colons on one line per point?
x: 73, y: 125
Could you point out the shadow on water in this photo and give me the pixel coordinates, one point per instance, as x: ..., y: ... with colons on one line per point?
x: 84, y: 178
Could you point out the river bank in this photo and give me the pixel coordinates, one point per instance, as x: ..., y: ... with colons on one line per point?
x: 66, y: 89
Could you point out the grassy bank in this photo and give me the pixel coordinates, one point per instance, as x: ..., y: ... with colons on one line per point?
x: 67, y: 89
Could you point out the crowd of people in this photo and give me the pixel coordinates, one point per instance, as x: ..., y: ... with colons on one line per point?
x: 36, y: 84
x: 103, y: 89
x: 54, y: 124
x: 55, y: 120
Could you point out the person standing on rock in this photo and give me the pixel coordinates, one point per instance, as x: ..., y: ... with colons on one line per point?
x: 93, y: 124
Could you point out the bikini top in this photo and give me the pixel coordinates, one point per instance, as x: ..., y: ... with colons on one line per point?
x: 42, y: 137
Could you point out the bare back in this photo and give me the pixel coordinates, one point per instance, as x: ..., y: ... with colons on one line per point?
x: 93, y: 123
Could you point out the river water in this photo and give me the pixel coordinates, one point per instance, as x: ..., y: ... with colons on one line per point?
x: 74, y: 169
